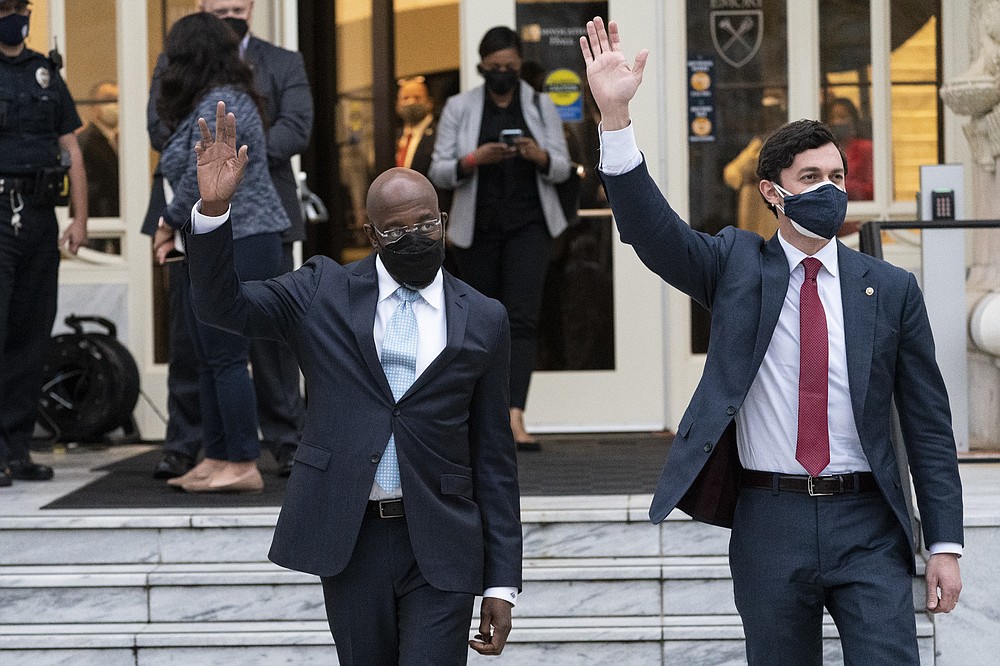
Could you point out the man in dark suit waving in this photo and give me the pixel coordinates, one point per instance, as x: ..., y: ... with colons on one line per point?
x: 787, y: 438
x: 404, y: 495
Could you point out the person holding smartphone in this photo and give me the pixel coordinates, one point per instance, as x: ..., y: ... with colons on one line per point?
x: 501, y: 148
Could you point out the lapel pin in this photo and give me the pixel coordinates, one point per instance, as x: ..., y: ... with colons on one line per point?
x: 869, y: 291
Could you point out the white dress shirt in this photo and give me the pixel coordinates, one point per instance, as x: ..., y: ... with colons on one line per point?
x: 432, y: 330
x: 416, y: 135
x: 432, y: 335
x: 767, y: 423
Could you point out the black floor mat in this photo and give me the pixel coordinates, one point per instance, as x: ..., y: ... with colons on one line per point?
x: 591, y: 464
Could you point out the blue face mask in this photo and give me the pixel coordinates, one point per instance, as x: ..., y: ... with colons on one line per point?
x: 14, y: 29
x: 818, y: 212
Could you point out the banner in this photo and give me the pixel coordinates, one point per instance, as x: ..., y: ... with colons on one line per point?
x: 550, y: 35
x: 701, y: 99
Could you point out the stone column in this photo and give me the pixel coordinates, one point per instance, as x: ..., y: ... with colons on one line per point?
x: 976, y: 94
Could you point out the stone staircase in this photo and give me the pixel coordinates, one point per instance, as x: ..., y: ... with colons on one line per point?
x: 601, y: 586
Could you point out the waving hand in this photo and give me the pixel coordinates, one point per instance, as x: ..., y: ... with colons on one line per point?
x: 220, y: 165
x: 612, y: 82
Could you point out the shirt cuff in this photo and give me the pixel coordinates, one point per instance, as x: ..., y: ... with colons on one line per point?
x: 619, y: 152
x: 508, y: 594
x: 202, y: 224
x: 946, y: 547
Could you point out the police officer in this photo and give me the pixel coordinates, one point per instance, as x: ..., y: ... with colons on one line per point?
x: 37, y: 120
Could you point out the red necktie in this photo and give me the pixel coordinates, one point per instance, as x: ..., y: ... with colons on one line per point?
x: 402, y: 146
x: 812, y: 449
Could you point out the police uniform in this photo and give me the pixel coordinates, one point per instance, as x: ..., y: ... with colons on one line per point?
x: 35, y: 110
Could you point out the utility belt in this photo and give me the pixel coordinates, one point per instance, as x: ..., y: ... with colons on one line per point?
x: 48, y: 186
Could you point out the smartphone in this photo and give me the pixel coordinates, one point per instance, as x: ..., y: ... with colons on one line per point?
x: 508, y: 136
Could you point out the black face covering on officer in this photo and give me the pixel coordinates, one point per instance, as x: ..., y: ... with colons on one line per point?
x: 14, y: 29
x: 414, y: 259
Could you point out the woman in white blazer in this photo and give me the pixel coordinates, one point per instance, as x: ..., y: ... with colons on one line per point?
x: 501, y: 148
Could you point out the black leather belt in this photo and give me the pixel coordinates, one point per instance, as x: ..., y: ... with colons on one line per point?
x: 24, y: 185
x: 390, y: 508
x: 837, y: 484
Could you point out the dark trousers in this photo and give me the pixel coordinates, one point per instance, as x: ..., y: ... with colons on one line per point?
x: 510, y: 266
x: 792, y: 554
x: 382, y: 612
x: 29, y: 283
x: 226, y: 397
x: 183, y: 409
x: 280, y: 407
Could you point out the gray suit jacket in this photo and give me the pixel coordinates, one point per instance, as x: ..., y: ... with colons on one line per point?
x: 742, y: 279
x: 458, y: 135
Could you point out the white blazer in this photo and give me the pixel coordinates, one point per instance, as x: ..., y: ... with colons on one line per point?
x: 458, y: 135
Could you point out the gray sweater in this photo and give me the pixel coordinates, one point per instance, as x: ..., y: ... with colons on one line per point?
x: 256, y: 206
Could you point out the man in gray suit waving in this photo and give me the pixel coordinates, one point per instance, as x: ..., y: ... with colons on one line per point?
x: 404, y: 495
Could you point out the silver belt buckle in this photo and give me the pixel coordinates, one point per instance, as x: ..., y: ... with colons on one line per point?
x: 381, y: 509
x: 813, y: 492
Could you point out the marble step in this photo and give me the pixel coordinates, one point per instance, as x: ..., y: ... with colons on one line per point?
x: 263, y: 592
x: 553, y: 527
x: 624, y: 641
x: 595, y: 587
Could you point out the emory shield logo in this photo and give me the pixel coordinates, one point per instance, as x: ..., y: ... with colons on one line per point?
x: 737, y: 34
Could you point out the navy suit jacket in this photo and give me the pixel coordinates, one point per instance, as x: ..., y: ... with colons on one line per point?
x: 457, y: 461
x: 742, y: 279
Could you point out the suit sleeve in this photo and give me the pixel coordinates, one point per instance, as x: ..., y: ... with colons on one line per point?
x: 494, y: 465
x: 289, y: 131
x: 687, y: 259
x: 258, y: 309
x: 925, y: 419
x: 159, y: 134
x: 444, y: 162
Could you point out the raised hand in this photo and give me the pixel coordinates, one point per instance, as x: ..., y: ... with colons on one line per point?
x: 612, y: 82
x: 220, y: 165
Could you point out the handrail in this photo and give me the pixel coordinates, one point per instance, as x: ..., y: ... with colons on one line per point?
x: 870, y: 234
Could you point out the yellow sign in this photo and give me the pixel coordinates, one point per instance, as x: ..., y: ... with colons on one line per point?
x: 563, y: 86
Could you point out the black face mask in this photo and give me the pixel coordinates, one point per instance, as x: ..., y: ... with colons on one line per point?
x: 498, y: 81
x: 237, y: 25
x: 414, y: 259
x: 14, y: 29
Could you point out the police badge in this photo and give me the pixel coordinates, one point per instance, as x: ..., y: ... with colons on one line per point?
x: 43, y: 77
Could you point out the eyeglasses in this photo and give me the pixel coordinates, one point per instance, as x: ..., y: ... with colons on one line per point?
x: 429, y: 228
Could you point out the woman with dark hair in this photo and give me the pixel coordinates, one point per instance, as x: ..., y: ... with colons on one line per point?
x: 845, y: 122
x: 203, y: 68
x: 501, y: 148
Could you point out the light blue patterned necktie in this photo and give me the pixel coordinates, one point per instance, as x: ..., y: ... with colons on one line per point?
x: 399, y: 361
